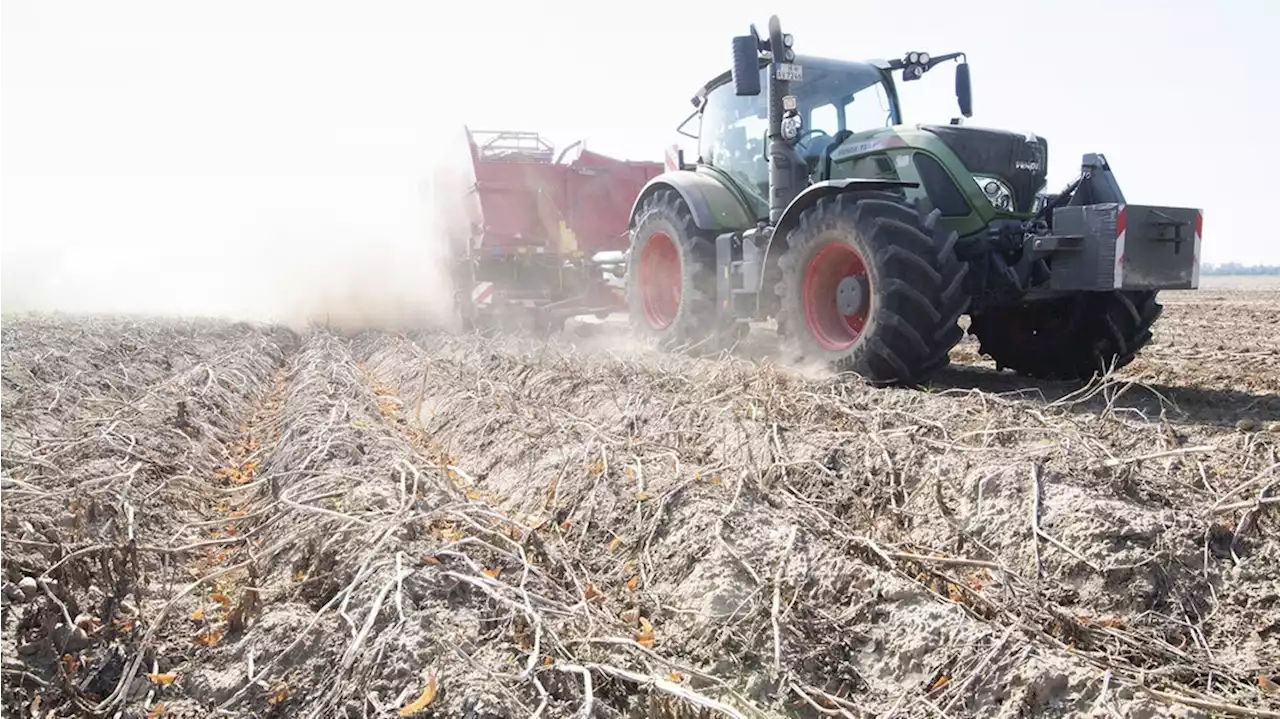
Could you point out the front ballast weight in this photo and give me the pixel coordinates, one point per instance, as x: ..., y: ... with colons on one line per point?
x: 1089, y: 239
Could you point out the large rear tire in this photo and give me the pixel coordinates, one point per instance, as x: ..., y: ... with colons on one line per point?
x: 670, y: 274
x: 870, y: 286
x: 1069, y: 338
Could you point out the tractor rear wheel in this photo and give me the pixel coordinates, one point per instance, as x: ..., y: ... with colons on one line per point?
x: 1069, y: 338
x: 870, y: 286
x: 670, y: 274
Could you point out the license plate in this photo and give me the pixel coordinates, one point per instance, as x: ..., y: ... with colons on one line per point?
x: 787, y: 71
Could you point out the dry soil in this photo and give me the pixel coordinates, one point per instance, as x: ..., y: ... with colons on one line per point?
x: 203, y: 517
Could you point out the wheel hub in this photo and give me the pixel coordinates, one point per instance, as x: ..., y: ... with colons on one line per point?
x: 836, y: 289
x: 851, y: 295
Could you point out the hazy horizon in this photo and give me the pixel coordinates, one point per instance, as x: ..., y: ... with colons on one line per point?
x: 242, y: 158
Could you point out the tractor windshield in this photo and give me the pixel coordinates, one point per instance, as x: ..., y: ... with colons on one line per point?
x: 833, y: 96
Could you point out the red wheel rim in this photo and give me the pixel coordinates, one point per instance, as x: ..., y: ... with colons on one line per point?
x: 832, y: 329
x: 660, y: 286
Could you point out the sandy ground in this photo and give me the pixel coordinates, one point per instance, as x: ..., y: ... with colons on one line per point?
x: 204, y: 517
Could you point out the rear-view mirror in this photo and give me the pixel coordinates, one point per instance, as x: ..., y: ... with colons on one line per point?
x: 746, y: 66
x: 964, y: 91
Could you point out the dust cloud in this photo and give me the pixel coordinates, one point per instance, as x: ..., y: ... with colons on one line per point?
x: 348, y: 252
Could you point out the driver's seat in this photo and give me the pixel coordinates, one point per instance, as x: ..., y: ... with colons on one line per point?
x: 822, y: 157
x: 815, y: 148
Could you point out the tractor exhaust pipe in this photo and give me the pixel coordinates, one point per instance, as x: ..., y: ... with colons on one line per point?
x: 782, y: 188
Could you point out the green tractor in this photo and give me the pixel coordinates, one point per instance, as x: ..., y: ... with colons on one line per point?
x: 866, y: 239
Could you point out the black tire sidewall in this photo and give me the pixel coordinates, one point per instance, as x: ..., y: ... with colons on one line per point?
x: 692, y: 313
x: 1102, y: 330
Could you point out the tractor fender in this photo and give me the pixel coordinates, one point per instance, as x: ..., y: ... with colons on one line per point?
x: 714, y: 207
x: 808, y: 198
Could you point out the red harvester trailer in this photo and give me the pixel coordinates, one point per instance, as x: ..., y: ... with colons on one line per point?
x: 533, y: 239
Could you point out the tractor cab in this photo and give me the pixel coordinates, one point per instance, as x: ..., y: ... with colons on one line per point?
x: 834, y: 100
x: 830, y: 101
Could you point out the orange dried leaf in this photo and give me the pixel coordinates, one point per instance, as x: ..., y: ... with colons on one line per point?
x: 278, y: 694
x: 644, y: 636
x: 69, y: 663
x: 163, y: 680
x: 633, y: 582
x: 1266, y: 685
x: 492, y: 573
x: 424, y: 700
x: 430, y: 560
x: 209, y: 637
x: 222, y: 599
x: 566, y: 525
x: 546, y: 661
x: 940, y: 683
x: 198, y: 614
x: 156, y: 711
x: 592, y: 594
x: 676, y: 677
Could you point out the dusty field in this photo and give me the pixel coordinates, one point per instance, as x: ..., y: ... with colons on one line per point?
x: 202, y: 517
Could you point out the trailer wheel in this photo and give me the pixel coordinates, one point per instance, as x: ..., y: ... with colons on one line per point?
x: 870, y: 286
x: 670, y: 280
x: 1068, y: 338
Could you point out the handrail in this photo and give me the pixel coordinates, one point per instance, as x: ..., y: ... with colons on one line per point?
x: 512, y: 145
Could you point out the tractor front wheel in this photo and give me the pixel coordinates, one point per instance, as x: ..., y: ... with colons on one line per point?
x: 670, y: 280
x: 870, y: 286
x: 1067, y: 338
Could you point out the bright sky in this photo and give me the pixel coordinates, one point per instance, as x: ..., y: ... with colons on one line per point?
x: 155, y: 154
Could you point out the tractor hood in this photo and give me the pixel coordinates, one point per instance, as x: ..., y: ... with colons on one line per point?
x: 1021, y: 161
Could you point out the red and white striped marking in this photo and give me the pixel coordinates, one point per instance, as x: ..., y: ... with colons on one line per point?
x: 1118, y: 275
x: 671, y: 158
x: 482, y: 293
x: 1195, y: 252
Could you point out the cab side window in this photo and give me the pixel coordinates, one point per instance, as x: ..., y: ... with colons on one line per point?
x: 733, y: 137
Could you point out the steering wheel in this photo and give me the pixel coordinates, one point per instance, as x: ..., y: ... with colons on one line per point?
x: 807, y: 133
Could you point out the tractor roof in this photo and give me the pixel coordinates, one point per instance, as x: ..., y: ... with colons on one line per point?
x: 842, y: 71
